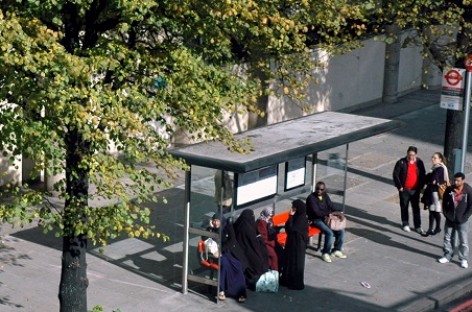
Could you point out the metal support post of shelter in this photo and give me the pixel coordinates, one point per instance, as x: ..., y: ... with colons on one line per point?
x: 314, y: 162
x: 345, y: 176
x: 188, y: 177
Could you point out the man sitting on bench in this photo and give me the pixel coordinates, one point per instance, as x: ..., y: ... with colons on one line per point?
x: 319, y: 206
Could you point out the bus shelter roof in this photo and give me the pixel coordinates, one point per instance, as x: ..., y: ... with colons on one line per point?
x: 291, y: 139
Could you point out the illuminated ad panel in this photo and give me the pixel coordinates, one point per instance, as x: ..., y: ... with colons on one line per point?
x: 295, y: 170
x: 256, y: 185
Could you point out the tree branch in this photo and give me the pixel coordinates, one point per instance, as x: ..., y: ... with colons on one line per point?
x: 71, y: 27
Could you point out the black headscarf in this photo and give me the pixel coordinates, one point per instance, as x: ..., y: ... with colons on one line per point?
x: 220, y: 216
x: 293, y: 270
x: 300, y: 220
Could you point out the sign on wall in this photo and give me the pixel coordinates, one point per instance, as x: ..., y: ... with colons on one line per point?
x: 452, y: 91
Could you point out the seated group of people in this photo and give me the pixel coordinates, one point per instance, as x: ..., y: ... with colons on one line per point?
x: 250, y: 248
x: 243, y: 256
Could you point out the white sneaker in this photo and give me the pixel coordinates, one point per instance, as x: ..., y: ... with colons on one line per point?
x: 443, y: 260
x: 464, y: 264
x: 339, y: 254
x: 406, y: 228
x: 326, y: 258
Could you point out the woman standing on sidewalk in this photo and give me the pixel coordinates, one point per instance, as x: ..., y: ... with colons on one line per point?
x: 431, y: 200
x: 293, y: 271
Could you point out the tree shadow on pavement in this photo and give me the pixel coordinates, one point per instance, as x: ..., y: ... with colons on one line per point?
x: 9, y: 257
x: 155, y: 258
x: 378, y: 225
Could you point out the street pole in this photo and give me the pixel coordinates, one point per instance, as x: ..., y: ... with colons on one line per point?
x: 468, y: 66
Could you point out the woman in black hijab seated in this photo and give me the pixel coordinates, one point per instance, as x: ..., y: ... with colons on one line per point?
x: 233, y: 261
x: 297, y: 238
x: 253, y: 246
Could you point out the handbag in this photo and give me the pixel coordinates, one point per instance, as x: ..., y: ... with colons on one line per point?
x: 211, y: 248
x: 268, y: 282
x: 442, y: 189
x: 336, y: 221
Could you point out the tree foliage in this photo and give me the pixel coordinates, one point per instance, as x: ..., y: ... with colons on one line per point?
x: 81, y: 76
x: 441, y: 27
x: 86, y: 73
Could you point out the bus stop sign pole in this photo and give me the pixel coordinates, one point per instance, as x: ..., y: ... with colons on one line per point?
x: 468, y: 67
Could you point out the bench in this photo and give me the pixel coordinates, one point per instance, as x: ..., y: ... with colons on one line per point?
x: 279, y: 221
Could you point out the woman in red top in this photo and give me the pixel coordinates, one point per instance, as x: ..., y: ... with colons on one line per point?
x: 266, y: 229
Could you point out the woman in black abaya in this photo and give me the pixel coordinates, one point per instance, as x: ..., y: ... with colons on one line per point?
x: 297, y: 238
x: 253, y: 247
x: 233, y: 261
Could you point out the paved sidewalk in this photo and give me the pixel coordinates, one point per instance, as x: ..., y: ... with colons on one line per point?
x: 139, y: 276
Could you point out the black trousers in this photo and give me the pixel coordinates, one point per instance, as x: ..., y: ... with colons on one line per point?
x: 412, y: 197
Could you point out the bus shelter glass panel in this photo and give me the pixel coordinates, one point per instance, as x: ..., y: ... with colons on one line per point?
x: 209, y: 189
x: 331, y: 168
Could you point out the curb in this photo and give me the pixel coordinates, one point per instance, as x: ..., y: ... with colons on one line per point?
x: 441, y: 297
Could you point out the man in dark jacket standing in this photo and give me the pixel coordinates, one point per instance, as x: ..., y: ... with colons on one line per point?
x: 457, y: 208
x: 409, y: 178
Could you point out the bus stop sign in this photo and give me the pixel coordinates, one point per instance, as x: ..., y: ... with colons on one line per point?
x: 452, y: 91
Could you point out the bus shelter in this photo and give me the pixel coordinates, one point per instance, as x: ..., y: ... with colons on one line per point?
x: 283, y: 162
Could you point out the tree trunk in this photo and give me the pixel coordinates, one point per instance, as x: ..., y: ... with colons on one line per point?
x: 392, y: 65
x: 255, y: 120
x: 74, y: 282
x: 263, y: 105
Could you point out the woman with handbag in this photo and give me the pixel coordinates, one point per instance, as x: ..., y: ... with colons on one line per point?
x: 319, y: 206
x: 436, y: 179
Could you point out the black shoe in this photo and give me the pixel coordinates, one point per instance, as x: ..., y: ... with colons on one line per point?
x: 429, y: 232
x: 420, y: 231
x: 436, y: 231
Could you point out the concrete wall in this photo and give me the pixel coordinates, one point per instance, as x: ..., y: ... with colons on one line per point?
x: 354, y: 80
x: 10, y: 172
x: 410, y: 72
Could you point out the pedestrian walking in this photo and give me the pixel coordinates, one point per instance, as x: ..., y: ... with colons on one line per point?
x: 457, y: 208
